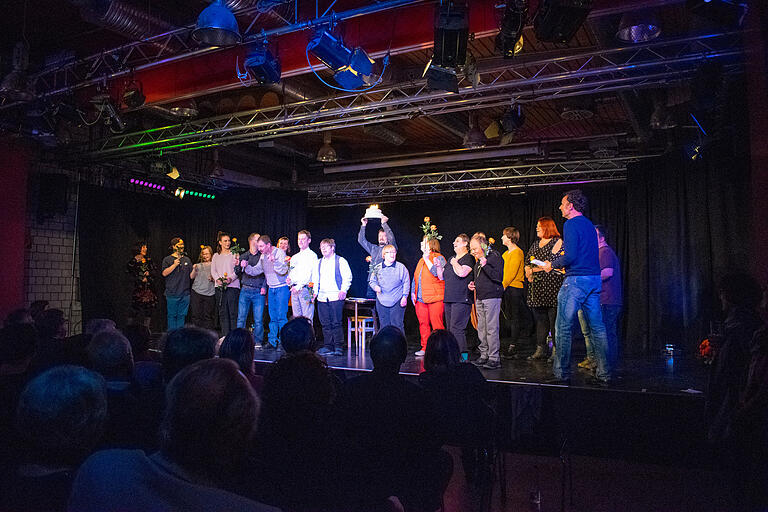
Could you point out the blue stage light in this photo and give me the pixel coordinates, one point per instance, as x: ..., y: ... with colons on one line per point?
x: 352, y: 68
x: 261, y: 65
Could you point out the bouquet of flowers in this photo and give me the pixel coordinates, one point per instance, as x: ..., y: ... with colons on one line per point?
x: 430, y: 230
x: 307, y: 292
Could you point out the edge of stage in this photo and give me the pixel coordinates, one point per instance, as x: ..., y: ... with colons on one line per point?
x: 662, y: 375
x: 648, y: 413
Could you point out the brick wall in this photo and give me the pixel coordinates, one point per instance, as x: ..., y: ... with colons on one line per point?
x: 49, y: 253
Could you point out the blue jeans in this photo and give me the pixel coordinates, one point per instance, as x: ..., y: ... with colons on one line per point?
x: 278, y: 312
x: 251, y: 299
x: 580, y: 292
x: 177, y: 311
x: 611, y: 314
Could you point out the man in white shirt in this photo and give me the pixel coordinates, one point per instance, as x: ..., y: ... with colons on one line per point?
x: 302, y: 277
x: 333, y: 281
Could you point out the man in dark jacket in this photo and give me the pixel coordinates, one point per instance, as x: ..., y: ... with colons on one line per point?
x: 489, y: 290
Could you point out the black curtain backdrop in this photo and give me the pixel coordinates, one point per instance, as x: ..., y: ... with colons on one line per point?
x: 111, y: 221
x: 688, y: 227
x: 488, y: 213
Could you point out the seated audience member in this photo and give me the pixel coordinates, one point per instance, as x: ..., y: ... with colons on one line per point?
x: 459, y: 390
x: 238, y: 346
x: 298, y: 334
x: 18, y: 316
x: 147, y: 371
x: 17, y: 347
x: 393, y: 430
x: 60, y: 418
x: 748, y: 429
x: 51, y: 328
x: 185, y: 346
x: 139, y: 337
x: 76, y: 344
x: 739, y: 295
x: 130, y: 423
x: 37, y: 307
x: 298, y: 453
x: 208, y: 426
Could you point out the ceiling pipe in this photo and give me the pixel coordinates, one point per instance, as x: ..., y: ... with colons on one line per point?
x: 459, y: 155
x: 122, y: 18
x: 523, y: 150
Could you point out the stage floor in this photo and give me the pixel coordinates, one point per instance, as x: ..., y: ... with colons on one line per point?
x: 670, y: 375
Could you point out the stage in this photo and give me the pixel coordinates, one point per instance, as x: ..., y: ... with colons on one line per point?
x: 652, y: 412
x: 659, y: 375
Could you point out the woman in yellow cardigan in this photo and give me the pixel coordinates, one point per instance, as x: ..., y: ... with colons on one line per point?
x: 514, y: 296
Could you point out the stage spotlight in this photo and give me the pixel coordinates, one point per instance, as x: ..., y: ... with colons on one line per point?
x: 17, y: 86
x: 475, y: 138
x: 326, y: 153
x: 509, y: 41
x: 728, y: 13
x: 441, y: 79
x: 261, y: 65
x: 513, y: 119
x: 133, y: 95
x: 638, y: 27
x: 173, y: 173
x: 216, y: 26
x: 557, y: 21
x: 352, y: 68
x: 142, y: 183
x: 451, y: 35
x: 180, y: 193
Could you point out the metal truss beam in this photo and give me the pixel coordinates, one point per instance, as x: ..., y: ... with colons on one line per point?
x: 510, y: 178
x: 174, y: 46
x: 593, y: 72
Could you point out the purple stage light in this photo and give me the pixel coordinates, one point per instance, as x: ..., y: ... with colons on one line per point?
x: 133, y: 180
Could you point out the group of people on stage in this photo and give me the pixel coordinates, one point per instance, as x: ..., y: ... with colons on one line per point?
x: 574, y: 276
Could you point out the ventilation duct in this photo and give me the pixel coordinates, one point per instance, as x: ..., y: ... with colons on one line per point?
x: 122, y: 18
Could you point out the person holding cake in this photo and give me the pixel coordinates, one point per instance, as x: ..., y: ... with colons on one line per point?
x: 385, y: 237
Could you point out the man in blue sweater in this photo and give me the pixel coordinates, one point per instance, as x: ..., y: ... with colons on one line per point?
x: 580, y: 289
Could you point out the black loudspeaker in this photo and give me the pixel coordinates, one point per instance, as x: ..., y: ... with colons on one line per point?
x: 52, y: 196
x: 558, y: 20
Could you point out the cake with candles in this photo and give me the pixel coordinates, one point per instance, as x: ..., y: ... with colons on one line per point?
x: 373, y: 212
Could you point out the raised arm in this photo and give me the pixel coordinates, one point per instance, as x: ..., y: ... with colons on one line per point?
x: 368, y: 246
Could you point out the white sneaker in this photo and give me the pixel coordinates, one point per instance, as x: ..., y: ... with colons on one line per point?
x: 257, y: 346
x: 420, y: 353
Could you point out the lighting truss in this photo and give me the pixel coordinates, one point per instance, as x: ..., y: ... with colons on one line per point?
x: 580, y: 73
x: 173, y: 46
x: 503, y: 178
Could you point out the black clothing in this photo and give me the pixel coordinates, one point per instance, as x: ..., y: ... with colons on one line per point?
x: 177, y: 283
x: 456, y: 288
x: 543, y: 291
x: 488, y: 278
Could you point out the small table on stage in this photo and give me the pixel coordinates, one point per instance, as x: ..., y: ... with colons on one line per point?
x: 357, y: 302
